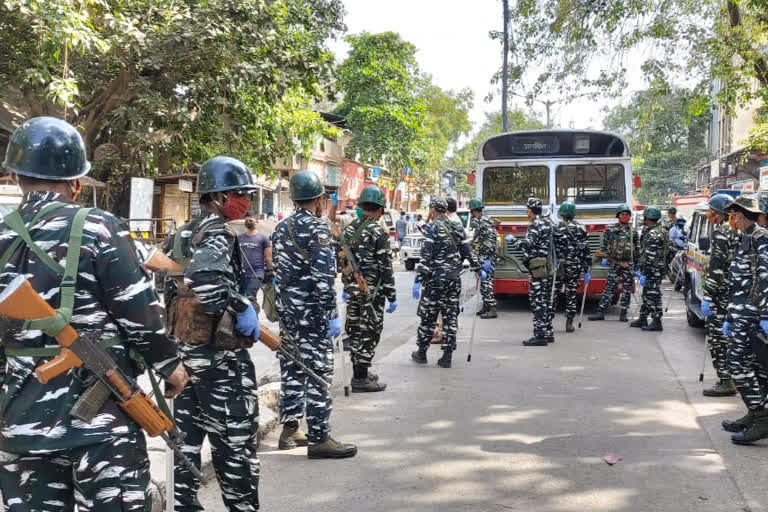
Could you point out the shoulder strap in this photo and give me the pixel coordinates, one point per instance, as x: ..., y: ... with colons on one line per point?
x: 289, y: 225
x: 442, y: 224
x: 16, y: 223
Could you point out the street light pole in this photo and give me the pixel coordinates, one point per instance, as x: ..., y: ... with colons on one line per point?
x: 505, y: 68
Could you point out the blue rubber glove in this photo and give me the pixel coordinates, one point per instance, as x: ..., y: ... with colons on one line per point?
x: 642, y: 280
x: 247, y: 323
x: 334, y: 327
x: 706, y: 308
x: 416, y: 291
x: 487, y: 266
x: 334, y: 199
x: 638, y: 274
x: 483, y: 275
x: 344, y: 297
x: 587, y: 277
x: 509, y: 239
x: 392, y: 307
x: 727, y: 329
x: 604, y: 262
x: 764, y: 326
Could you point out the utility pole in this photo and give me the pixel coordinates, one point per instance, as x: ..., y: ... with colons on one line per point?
x: 548, y: 104
x: 504, y: 69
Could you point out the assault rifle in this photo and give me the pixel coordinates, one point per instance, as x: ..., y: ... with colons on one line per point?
x: 353, y: 268
x: 19, y: 301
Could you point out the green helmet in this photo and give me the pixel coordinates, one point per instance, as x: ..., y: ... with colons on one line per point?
x: 652, y: 213
x: 305, y: 185
x: 475, y: 204
x: 671, y: 209
x: 623, y: 208
x: 720, y: 202
x: 372, y: 194
x: 47, y: 148
x: 567, y: 209
x: 222, y: 173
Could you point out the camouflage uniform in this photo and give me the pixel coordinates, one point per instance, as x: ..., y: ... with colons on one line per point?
x: 538, y: 243
x: 619, y: 245
x: 573, y: 252
x: 442, y: 255
x: 221, y: 401
x: 484, y: 245
x: 748, y: 305
x: 365, y: 313
x: 653, y: 248
x: 305, y: 268
x: 725, y: 240
x: 50, y: 460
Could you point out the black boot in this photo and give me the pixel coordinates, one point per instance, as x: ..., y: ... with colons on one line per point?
x: 482, y: 310
x: 623, y: 315
x: 445, y: 361
x: 738, y: 425
x: 420, y: 356
x: 363, y: 382
x: 535, y: 342
x: 757, y: 429
x: 597, y: 315
x: 489, y: 313
x: 655, y: 325
x: 642, y: 321
x: 569, y: 325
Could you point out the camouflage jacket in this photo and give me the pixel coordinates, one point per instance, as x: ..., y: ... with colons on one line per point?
x: 113, y: 295
x: 443, y: 252
x: 725, y: 240
x: 620, y: 243
x: 539, y: 240
x: 653, y: 250
x: 571, y: 244
x: 305, y: 263
x: 749, y: 275
x: 485, y: 239
x: 369, y: 244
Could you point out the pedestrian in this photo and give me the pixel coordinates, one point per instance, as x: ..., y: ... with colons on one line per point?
x: 222, y: 402
x: 677, y: 236
x: 442, y: 255
x: 651, y: 264
x: 305, y: 269
x: 573, y: 253
x: 715, y: 285
x: 257, y: 257
x: 401, y: 227
x: 617, y: 251
x: 52, y: 461
x: 420, y: 223
x: 538, y: 253
x: 748, y: 316
x: 369, y: 246
x: 484, y: 244
x: 671, y: 219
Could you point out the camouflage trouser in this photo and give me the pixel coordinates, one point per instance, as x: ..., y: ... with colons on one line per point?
x: 748, y: 375
x: 104, y: 477
x: 718, y: 343
x: 365, y: 320
x: 652, y: 297
x: 615, y: 275
x: 570, y: 281
x: 436, y: 300
x: 221, y: 403
x: 486, y: 290
x: 307, y: 340
x: 543, y: 313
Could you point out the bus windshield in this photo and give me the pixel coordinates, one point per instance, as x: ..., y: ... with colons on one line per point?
x: 589, y: 184
x: 514, y: 185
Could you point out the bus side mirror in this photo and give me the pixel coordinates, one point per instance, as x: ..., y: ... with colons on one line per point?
x: 704, y: 244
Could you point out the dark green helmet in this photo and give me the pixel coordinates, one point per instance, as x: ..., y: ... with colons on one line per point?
x: 372, y: 194
x: 222, y: 173
x: 652, y: 213
x: 567, y: 209
x: 47, y: 148
x: 720, y: 202
x: 439, y: 204
x: 671, y: 209
x: 305, y: 185
x: 623, y: 208
x: 475, y: 204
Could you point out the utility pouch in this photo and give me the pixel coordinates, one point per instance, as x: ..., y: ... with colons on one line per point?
x: 187, y: 319
x: 226, y: 337
x: 538, y: 268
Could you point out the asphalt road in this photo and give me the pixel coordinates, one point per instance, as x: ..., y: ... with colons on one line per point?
x: 527, y: 428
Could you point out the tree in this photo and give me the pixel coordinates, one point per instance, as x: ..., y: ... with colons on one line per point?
x: 667, y: 142
x: 157, y: 84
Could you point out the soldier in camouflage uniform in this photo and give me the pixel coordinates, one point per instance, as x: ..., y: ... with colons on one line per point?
x: 484, y: 245
x: 714, y: 305
x: 369, y: 244
x: 305, y: 269
x: 222, y: 402
x: 539, y: 255
x: 651, y: 264
x: 442, y: 255
x: 747, y: 317
x: 573, y: 252
x: 617, y: 251
x: 51, y: 461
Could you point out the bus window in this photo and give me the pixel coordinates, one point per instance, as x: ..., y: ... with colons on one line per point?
x: 514, y: 185
x: 585, y: 184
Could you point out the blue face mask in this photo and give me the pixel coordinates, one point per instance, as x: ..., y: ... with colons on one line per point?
x: 359, y: 212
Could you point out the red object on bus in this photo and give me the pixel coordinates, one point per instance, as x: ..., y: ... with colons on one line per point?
x: 636, y: 181
x: 471, y: 178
